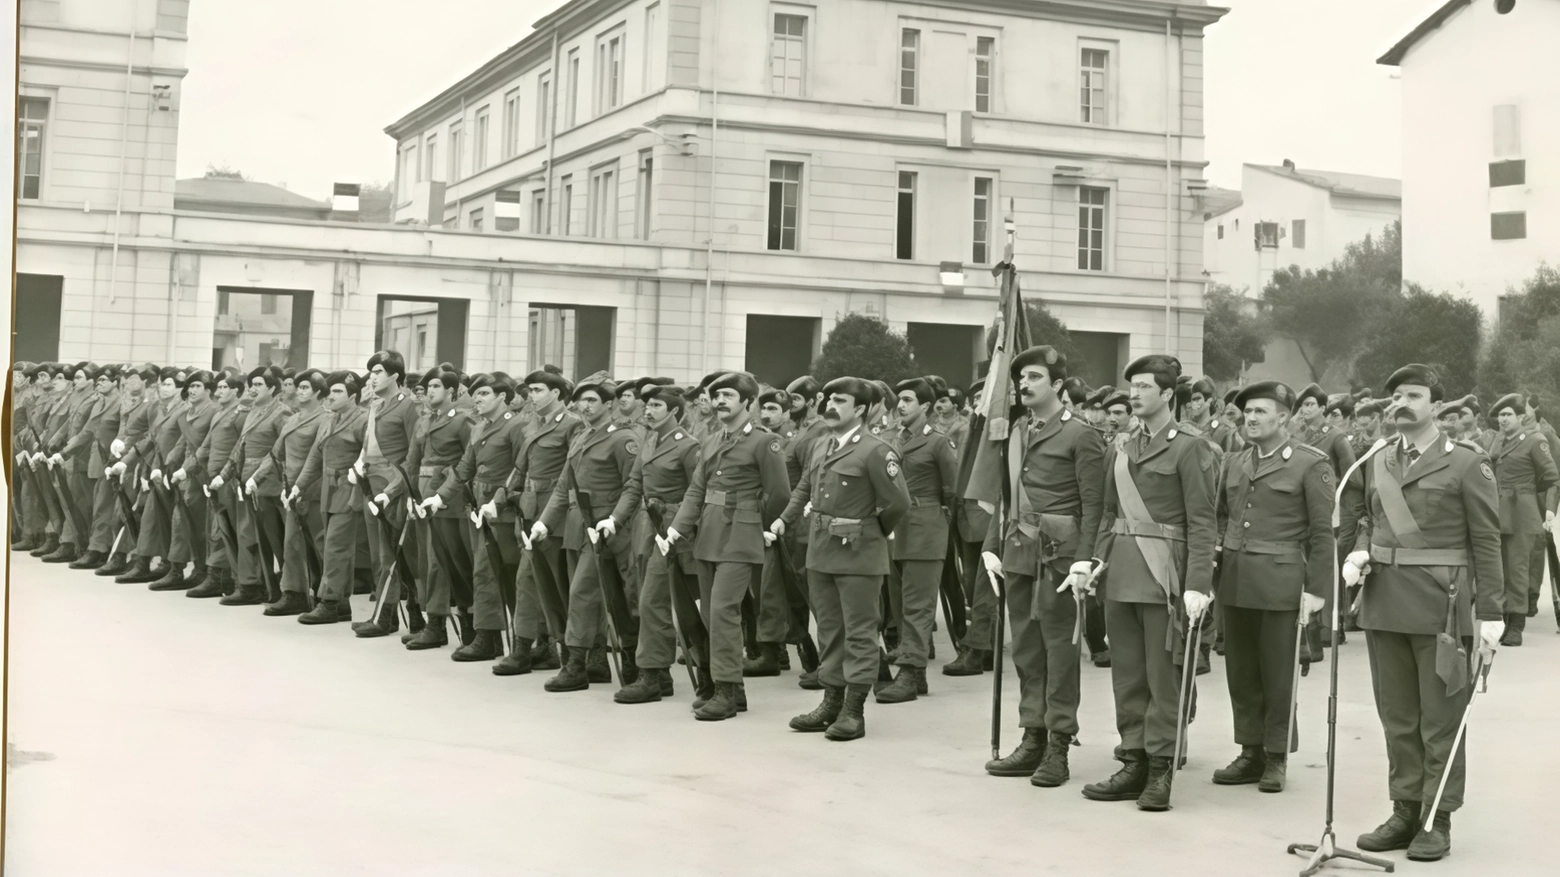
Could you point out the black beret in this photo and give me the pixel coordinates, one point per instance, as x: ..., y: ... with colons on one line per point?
x: 643, y: 384
x: 1206, y: 388
x: 1514, y: 401
x: 1311, y: 391
x: 1343, y: 403
x: 1361, y: 395
x: 806, y: 385
x: 1055, y: 363
x: 1117, y: 397
x: 924, y: 392
x: 671, y: 395
x: 939, y: 386
x: 1369, y: 408
x: 1165, y: 368
x: 499, y: 383
x: 109, y: 371
x: 778, y: 397
x: 200, y: 376
x: 1075, y: 390
x: 315, y: 379
x: 1414, y: 373
x: 976, y: 387
x: 862, y: 391
x: 704, y: 382
x: 956, y: 396
x: 271, y: 375
x: 446, y: 376
x: 170, y: 371
x: 1281, y: 393
x: 885, y: 393
x: 627, y: 387
x: 1452, y: 409
x: 1471, y: 402
x: 1098, y: 397
x: 602, y: 388
x: 742, y: 382
x: 350, y: 380
x: 552, y: 380
x: 391, y: 361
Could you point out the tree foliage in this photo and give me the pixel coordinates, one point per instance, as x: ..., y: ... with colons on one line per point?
x: 863, y: 347
x: 1437, y: 329
x: 1524, y: 355
x: 223, y: 172
x: 1234, y: 334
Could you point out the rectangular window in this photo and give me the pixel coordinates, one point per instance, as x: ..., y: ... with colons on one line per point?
x: 544, y: 108
x: 609, y: 74
x: 511, y: 131
x: 1297, y: 234
x: 572, y: 94
x: 788, y: 56
x: 1508, y: 173
x: 32, y: 115
x: 653, y: 43
x: 410, y: 172
x: 479, y: 140
x: 1508, y: 226
x: 602, y: 218
x: 646, y: 214
x: 1221, y: 232
x: 904, y: 221
x: 1094, y: 68
x: 980, y: 251
x: 1267, y: 235
x: 539, y: 212
x: 566, y: 206
x: 985, y: 68
x: 455, y: 149
x: 506, y: 210
x: 1091, y: 228
x: 785, y: 202
x: 476, y: 220
x: 909, y: 58
x: 432, y: 158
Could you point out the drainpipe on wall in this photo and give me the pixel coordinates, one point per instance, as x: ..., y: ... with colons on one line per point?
x: 1169, y: 182
x: 709, y: 250
x: 124, y: 142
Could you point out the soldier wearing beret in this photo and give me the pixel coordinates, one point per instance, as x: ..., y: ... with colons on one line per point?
x: 303, y: 523
x: 136, y: 409
x: 854, y: 496
x: 1472, y: 429
x: 65, y: 420
x: 807, y: 414
x: 392, y: 422
x: 1157, y: 534
x: 1202, y: 409
x: 1277, y: 550
x: 90, y: 442
x: 439, y: 442
x: 1367, y: 425
x: 1431, y: 534
x: 1525, y: 477
x: 257, y: 503
x: 146, y: 456
x: 338, y: 445
x: 1534, y: 422
x: 190, y: 541
x: 739, y: 488
x: 773, y: 627
x: 1055, y: 473
x: 1449, y: 419
x: 948, y: 415
x: 211, y: 457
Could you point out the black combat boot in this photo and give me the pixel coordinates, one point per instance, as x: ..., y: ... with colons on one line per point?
x: 722, y: 706
x: 214, y: 585
x: 28, y: 542
x: 1025, y: 758
x: 1515, y: 622
x: 197, y: 576
x: 1156, y: 794
x: 970, y: 662
x: 65, y: 553
x: 573, y: 676
x: 247, y: 595
x: 139, y: 573
x: 118, y: 564
x: 324, y: 612
x: 1125, y: 784
x: 1396, y: 833
x: 1434, y: 841
x: 465, y: 626
x: 706, y: 687
x: 382, y: 623
x: 909, y: 682
x: 172, y: 580
x: 648, y: 688
x: 1248, y: 767
x: 1204, y: 663
x: 432, y: 636
x: 51, y: 544
x: 824, y: 714
x: 484, y: 646
x: 90, y: 560
x: 292, y: 603
x: 414, y: 617
x: 596, y: 667
x: 851, y: 724
x: 1101, y: 659
x: 544, y: 655
x: 517, y: 662
x: 1053, y: 771
x: 766, y: 664
x: 1273, y: 773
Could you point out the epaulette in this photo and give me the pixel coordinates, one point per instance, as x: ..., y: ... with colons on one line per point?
x: 1317, y: 451
x: 1472, y: 446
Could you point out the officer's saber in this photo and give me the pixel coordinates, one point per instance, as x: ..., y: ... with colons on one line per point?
x: 1294, y: 685
x: 1483, y: 673
x: 1188, y: 679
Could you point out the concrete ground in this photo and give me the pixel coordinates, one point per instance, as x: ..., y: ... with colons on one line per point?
x: 152, y: 734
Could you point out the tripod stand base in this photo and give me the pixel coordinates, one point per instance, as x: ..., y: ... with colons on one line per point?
x: 1328, y: 849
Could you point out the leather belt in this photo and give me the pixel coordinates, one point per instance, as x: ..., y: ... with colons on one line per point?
x: 1125, y: 527
x: 432, y: 470
x: 919, y: 501
x: 732, y: 498
x: 1285, y: 550
x: 1519, y: 490
x: 1419, y: 556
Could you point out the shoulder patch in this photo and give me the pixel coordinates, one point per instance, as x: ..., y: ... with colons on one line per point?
x: 508, y: 414
x: 1289, y: 452
x: 892, y: 464
x: 1486, y: 471
x: 1327, y: 475
x: 633, y: 447
x: 774, y: 446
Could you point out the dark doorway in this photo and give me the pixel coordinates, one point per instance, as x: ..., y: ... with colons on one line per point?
x: 1101, y: 357
x: 780, y: 349
x: 947, y: 351
x: 577, y: 339
x: 256, y: 327
x: 35, y: 327
x: 425, y: 331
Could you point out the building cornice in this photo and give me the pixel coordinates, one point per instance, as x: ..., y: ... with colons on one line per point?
x: 75, y: 64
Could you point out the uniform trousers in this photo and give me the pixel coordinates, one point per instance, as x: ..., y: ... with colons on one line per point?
x: 433, y: 586
x: 1259, y: 666
x: 533, y: 615
x: 849, y: 611
x: 1144, y: 675
x: 221, y: 506
x: 587, y: 602
x: 769, y: 595
x: 256, y: 514
x: 382, y: 547
x: 1516, y: 557
x: 302, y: 525
x: 982, y: 600
x: 919, y: 582
x: 1419, y: 718
x: 105, y: 516
x: 339, y: 553
x: 657, y: 637
x: 156, y: 524
x: 1542, y: 545
x: 721, y: 587
x: 81, y: 494
x: 1044, y: 654
x: 190, y: 539
x: 494, y: 588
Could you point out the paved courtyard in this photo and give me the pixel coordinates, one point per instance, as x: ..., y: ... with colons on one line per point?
x: 152, y: 734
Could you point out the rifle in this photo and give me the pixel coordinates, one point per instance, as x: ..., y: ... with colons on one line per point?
x: 496, y: 563
x: 397, y: 556
x: 554, y: 597
x: 460, y: 576
x: 951, y: 591
x: 78, y: 518
x: 687, y: 623
x: 126, y: 508
x: 618, y: 616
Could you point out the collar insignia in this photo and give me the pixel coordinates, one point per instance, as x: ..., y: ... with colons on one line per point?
x: 1288, y: 452
x: 927, y: 430
x: 1448, y: 446
x: 1167, y: 438
x: 1067, y: 415
x: 508, y: 414
x: 677, y: 437
x: 855, y: 438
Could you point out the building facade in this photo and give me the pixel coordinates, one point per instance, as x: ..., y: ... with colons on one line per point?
x: 1481, y: 137
x: 669, y: 186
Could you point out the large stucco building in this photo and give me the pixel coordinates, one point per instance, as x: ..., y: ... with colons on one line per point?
x: 556, y: 203
x: 1481, y: 133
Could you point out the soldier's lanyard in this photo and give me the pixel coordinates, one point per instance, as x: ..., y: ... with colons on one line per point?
x: 1390, y: 491
x: 1161, y: 562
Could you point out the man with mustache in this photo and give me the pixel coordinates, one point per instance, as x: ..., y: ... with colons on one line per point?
x: 1432, y: 530
x: 855, y: 496
x: 1055, y: 473
x: 1525, y: 476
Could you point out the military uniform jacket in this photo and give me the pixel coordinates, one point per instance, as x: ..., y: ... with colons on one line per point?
x: 1176, y: 476
x: 487, y: 463
x: 255, y: 441
x: 858, y: 497
x: 56, y: 423
x: 661, y: 476
x: 193, y: 425
x: 539, y: 458
x: 1334, y: 444
x: 395, y: 428
x: 739, y: 488
x: 135, y: 419
x: 1060, y: 469
x: 81, y: 404
x: 1525, y: 476
x: 97, y: 430
x: 161, y: 437
x: 292, y: 447
x: 596, y: 472
x: 1450, y: 492
x: 930, y: 466
x: 337, y: 446
x: 798, y: 445
x: 214, y: 453
x: 1276, y: 516
x: 1224, y: 435
x: 439, y: 442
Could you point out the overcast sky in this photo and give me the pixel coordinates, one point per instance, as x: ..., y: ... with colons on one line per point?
x: 300, y: 91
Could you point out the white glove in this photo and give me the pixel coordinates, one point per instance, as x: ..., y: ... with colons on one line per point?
x: 777, y: 528
x: 249, y: 485
x: 283, y: 500
x: 179, y: 475
x: 117, y: 447
x: 216, y: 483
x: 672, y: 535
x: 1310, y: 604
x: 292, y: 495
x: 592, y: 535
x: 411, y: 508
x: 156, y: 475
x: 145, y: 485
x: 1549, y: 522
x: 382, y: 500
x: 662, y: 545
x: 57, y: 460
x: 607, y: 527
x: 1355, y: 566
x: 807, y: 509
x: 489, y: 510
x: 1077, y: 577
x: 21, y: 458
x: 108, y: 472
x: 1490, y: 633
x: 352, y: 476
x: 1196, y: 603
x: 358, y: 468
x: 432, y: 504
x: 538, y: 531
x: 770, y: 537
